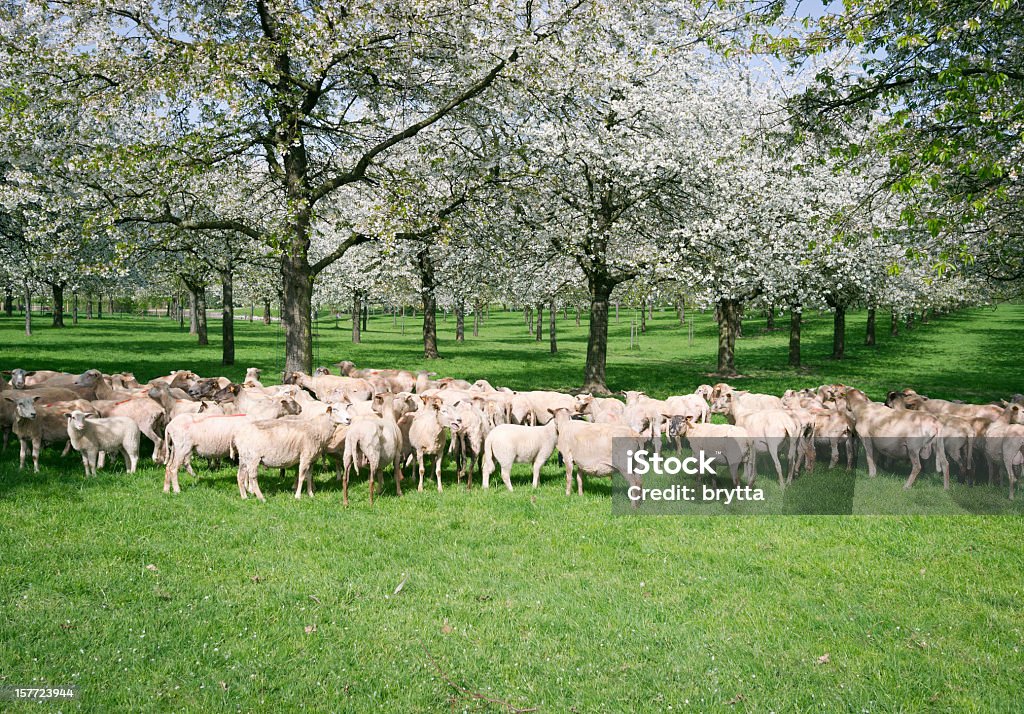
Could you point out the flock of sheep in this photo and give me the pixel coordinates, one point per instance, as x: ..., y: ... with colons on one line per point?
x: 374, y: 418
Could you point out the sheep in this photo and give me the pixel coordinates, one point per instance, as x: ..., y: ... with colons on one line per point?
x: 41, y: 424
x: 396, y: 380
x: 283, y: 443
x: 189, y: 434
x: 355, y: 390
x: 91, y: 436
x: 516, y: 444
x: 469, y: 436
x: 601, y: 410
x: 252, y: 378
x: 535, y: 408
x: 958, y: 436
x: 733, y: 442
x: 426, y: 435
x: 22, y: 379
x: 145, y: 412
x: 1004, y: 442
x: 767, y: 428
x: 375, y: 441
x: 897, y: 433
x: 587, y: 448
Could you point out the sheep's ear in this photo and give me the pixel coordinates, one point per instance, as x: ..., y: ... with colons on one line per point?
x: 36, y: 398
x: 9, y: 398
x: 29, y: 374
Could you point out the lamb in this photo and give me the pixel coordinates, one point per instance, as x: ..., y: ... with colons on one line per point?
x: 146, y: 413
x: 283, y: 443
x: 37, y: 425
x: 587, y: 448
x: 897, y: 433
x: 767, y: 428
x: 733, y: 442
x: 375, y: 441
x: 91, y: 436
x: 516, y: 444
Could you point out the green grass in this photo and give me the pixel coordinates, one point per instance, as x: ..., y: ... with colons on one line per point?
x: 530, y: 597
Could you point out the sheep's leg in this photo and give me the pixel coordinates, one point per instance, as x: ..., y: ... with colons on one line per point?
x: 373, y: 469
x: 242, y: 481
x: 538, y: 464
x: 438, y: 462
x: 344, y: 480
x: 397, y: 469
x: 102, y: 459
x: 1008, y: 465
x: 869, y: 452
x: 37, y: 446
x: 254, y: 483
x: 834, y: 460
x: 794, y: 447
x: 7, y: 437
x: 568, y: 475
x: 23, y: 444
x: 750, y: 466
x: 579, y: 481
x: 915, y: 469
x: 169, y: 474
x: 67, y: 449
x: 93, y: 460
x: 85, y: 463
x: 419, y: 461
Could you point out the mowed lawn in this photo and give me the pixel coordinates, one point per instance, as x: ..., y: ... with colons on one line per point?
x: 202, y: 601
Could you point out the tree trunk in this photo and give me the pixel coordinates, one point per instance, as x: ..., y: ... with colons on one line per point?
x: 366, y: 314
x: 8, y: 302
x: 552, y: 327
x: 99, y: 307
x: 227, y: 285
x: 111, y: 305
x: 795, y: 315
x: 924, y: 317
x: 682, y: 312
x: 894, y: 326
x: 910, y: 321
x: 74, y: 309
x: 770, y: 323
x: 266, y: 312
x: 597, y: 341
x: 728, y: 314
x: 460, y: 321
x: 476, y: 320
x: 839, y: 332
x: 540, y: 322
x: 28, y: 312
x: 297, y: 312
x: 88, y: 307
x: 181, y: 312
x: 58, y: 304
x: 426, y: 270
x: 252, y: 313
x: 193, y: 319
x: 201, y: 317
x: 357, y: 314
x: 577, y: 316
x: 652, y: 310
x: 643, y: 318
x: 869, y: 337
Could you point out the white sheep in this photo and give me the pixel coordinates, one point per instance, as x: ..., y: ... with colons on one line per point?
x: 516, y: 444
x: 92, y: 436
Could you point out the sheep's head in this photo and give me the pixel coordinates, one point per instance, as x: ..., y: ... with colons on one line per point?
x: 18, y: 378
x: 77, y: 419
x: 679, y: 425
x: 322, y: 372
x: 24, y: 407
x: 723, y: 403
x: 720, y: 390
x: 339, y: 414
x: 704, y: 391
x: 253, y: 373
x: 583, y: 402
x: 88, y: 379
x: 345, y: 366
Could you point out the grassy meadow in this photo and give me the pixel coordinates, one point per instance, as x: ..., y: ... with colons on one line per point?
x: 497, y: 601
